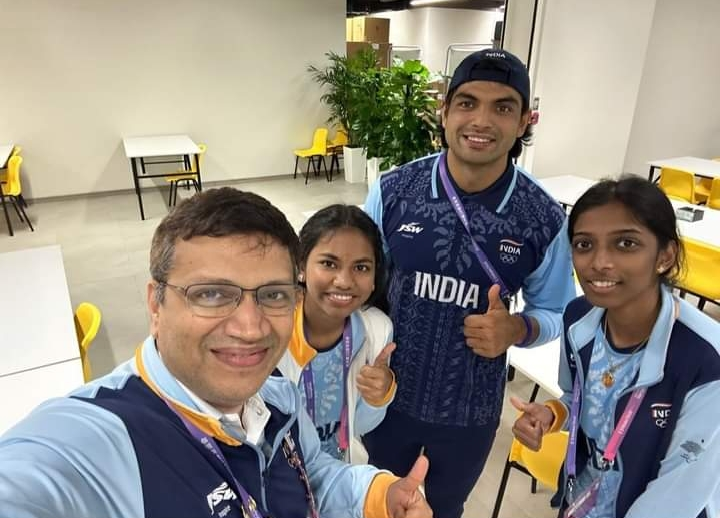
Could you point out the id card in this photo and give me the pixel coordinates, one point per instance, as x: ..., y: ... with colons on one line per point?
x: 583, y: 504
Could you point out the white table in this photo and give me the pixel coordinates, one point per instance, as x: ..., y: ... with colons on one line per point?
x: 5, y: 151
x: 567, y: 188
x: 706, y: 230
x: 697, y: 166
x: 540, y: 365
x: 36, y: 317
x: 23, y: 391
x: 137, y: 149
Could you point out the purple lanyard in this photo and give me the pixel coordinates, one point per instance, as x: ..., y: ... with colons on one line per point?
x: 460, y: 211
x: 617, y: 436
x: 309, y: 385
x: 249, y: 507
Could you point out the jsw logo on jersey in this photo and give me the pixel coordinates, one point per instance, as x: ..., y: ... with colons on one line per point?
x: 220, y: 494
x: 412, y: 227
x: 447, y: 289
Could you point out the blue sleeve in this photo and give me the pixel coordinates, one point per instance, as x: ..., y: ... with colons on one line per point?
x: 69, y: 458
x: 374, y: 208
x: 687, y: 481
x: 548, y: 289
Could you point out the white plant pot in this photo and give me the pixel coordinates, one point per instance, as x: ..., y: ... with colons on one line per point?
x: 354, y: 163
x: 373, y: 170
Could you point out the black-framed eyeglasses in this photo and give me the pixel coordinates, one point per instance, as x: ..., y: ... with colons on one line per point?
x: 220, y: 300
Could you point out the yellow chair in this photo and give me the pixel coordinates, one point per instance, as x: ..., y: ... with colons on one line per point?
x: 702, y: 272
x: 543, y: 465
x: 3, y: 172
x: 87, y: 323
x: 335, y: 149
x: 703, y: 187
x: 189, y: 176
x: 13, y: 190
x: 318, y: 152
x: 713, y: 199
x: 677, y: 184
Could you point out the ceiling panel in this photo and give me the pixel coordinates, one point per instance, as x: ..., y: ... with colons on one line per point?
x: 355, y: 7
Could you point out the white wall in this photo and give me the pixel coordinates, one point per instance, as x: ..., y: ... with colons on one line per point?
x: 589, y: 69
x: 519, y: 27
x: 678, y: 112
x: 434, y: 29
x: 80, y: 74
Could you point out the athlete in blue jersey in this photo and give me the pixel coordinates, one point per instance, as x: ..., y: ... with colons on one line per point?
x: 465, y: 230
x: 630, y: 346
x: 193, y: 426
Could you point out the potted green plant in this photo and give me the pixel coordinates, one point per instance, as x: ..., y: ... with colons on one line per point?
x: 410, y: 119
x: 344, y: 78
x: 374, y: 103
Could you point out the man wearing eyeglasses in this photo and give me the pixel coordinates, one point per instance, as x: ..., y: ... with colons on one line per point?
x: 193, y: 425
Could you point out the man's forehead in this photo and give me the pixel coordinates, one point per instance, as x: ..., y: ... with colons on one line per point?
x: 234, y: 248
x: 500, y: 89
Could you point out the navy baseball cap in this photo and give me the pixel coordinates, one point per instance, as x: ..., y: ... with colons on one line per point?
x: 495, y: 65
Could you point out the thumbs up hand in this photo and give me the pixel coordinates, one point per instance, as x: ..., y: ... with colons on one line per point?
x: 535, y: 421
x: 491, y: 333
x: 374, y: 380
x: 404, y: 499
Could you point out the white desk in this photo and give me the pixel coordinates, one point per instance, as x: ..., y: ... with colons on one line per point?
x: 566, y: 189
x: 698, y: 166
x: 35, y: 312
x: 137, y: 149
x: 5, y: 150
x: 706, y: 230
x: 539, y: 364
x: 24, y: 391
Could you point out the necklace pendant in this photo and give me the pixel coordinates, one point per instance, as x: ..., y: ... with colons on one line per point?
x: 608, y: 379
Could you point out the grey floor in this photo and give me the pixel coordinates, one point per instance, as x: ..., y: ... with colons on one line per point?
x: 105, y: 249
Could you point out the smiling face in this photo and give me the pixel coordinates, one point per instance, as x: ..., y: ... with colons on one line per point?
x: 618, y: 260
x: 482, y: 122
x: 224, y: 360
x: 339, y: 274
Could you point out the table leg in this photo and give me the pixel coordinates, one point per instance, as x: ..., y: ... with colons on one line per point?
x: 136, y: 180
x: 197, y: 168
x: 651, y: 173
x: 7, y: 216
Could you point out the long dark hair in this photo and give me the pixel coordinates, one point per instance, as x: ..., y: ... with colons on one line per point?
x: 339, y: 216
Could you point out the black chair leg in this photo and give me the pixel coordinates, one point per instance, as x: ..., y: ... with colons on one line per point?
x: 501, y: 489
x: 296, y: 164
x: 534, y: 393
x: 510, y: 373
x: 15, y: 204
x: 170, y: 194
x: 533, y: 486
x: 701, y: 304
x: 27, y: 220
x: 307, y: 173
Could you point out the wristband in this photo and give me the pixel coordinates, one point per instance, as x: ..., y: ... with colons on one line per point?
x: 528, y: 331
